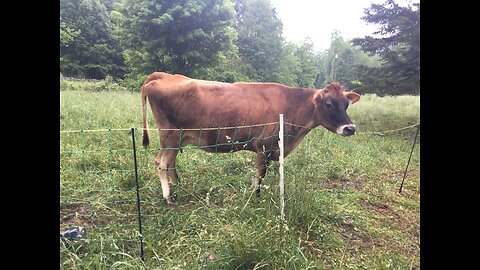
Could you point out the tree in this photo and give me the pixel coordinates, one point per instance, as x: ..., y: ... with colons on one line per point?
x: 259, y: 38
x: 338, y: 60
x: 339, y: 63
x: 178, y: 36
x: 67, y: 34
x: 88, y: 47
x: 288, y: 66
x: 398, y: 47
x: 307, y: 59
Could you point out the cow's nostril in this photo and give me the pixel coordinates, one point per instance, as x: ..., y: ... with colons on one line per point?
x: 349, y: 130
x: 346, y: 130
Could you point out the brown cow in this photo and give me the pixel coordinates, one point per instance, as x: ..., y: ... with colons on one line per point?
x: 181, y: 106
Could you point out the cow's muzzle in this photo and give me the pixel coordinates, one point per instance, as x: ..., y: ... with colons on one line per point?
x: 346, y: 130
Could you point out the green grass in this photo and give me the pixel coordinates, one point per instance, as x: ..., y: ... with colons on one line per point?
x: 343, y: 208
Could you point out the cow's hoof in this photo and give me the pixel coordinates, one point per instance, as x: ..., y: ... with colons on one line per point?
x: 257, y: 192
x: 171, y: 201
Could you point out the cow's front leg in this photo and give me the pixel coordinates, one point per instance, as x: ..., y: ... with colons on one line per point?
x: 261, y: 165
x: 165, y: 162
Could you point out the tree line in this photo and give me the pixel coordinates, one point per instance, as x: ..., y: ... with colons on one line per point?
x: 234, y: 40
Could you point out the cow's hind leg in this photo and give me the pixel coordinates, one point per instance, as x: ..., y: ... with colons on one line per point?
x: 165, y: 163
x: 261, y: 164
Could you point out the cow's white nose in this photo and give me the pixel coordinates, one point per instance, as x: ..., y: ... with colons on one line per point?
x: 346, y: 130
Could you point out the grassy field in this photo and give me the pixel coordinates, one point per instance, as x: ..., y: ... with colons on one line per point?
x: 343, y: 209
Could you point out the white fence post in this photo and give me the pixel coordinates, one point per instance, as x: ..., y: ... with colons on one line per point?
x: 280, y: 159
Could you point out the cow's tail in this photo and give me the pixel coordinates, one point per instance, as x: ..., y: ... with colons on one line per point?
x: 151, y: 77
x: 146, y: 140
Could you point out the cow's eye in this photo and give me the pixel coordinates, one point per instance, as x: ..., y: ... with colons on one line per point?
x: 329, y: 105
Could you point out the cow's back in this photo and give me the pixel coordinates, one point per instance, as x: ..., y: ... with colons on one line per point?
x: 182, y: 102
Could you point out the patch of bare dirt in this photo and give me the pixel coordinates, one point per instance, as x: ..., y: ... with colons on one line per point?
x: 380, y: 208
x: 73, y: 214
x: 408, y: 227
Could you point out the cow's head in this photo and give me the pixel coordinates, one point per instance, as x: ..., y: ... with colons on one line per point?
x: 331, y: 105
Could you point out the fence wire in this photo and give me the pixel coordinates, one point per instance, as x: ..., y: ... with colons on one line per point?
x: 97, y: 176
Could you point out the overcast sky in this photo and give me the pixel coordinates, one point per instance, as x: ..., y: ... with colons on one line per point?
x: 318, y: 19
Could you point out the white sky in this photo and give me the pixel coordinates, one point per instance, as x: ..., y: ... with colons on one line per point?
x: 318, y: 19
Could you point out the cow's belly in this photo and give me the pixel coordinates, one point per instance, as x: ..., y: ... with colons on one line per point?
x: 217, y: 141
x: 225, y: 141
x: 259, y: 139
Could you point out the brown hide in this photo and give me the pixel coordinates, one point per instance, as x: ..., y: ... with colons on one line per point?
x: 181, y: 102
x: 226, y: 117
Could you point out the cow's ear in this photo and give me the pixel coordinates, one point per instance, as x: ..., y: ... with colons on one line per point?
x: 352, y: 97
x: 317, y: 97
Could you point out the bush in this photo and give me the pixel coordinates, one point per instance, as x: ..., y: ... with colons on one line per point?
x: 96, y: 86
x: 133, y: 84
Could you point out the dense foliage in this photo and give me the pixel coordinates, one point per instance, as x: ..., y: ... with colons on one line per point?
x: 340, y: 61
x: 398, y: 46
x: 259, y: 38
x: 232, y: 40
x: 175, y: 36
x: 88, y: 45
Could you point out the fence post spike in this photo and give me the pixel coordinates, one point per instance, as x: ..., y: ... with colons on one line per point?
x: 408, y: 162
x: 138, y: 194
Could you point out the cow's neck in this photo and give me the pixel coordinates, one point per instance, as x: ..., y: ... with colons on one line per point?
x: 300, y: 119
x: 301, y: 109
